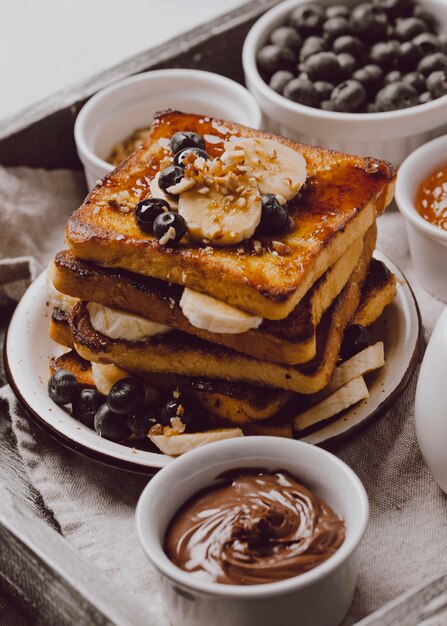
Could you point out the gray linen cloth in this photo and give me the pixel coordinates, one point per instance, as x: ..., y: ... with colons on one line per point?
x: 406, y: 540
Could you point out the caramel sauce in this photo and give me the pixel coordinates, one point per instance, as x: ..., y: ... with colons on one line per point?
x: 431, y: 199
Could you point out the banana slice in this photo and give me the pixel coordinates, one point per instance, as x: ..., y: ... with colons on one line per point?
x: 277, y: 168
x: 176, y: 445
x: 105, y: 376
x: 157, y: 192
x: 120, y: 325
x: 222, y: 218
x: 57, y: 298
x: 210, y: 314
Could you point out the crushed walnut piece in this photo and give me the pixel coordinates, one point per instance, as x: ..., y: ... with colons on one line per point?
x: 156, y: 429
x: 281, y: 248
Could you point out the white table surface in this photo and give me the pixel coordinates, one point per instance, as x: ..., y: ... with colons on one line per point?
x: 49, y: 45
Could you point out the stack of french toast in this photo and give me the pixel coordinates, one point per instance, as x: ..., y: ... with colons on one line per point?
x: 231, y: 271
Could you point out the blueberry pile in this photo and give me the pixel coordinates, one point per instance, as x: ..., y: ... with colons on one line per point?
x: 154, y: 215
x: 381, y: 55
x: 120, y: 414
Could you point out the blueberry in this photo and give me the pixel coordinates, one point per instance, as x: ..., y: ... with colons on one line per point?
x: 369, y: 22
x: 275, y: 216
x: 63, y: 387
x: 336, y: 27
x: 286, y: 36
x: 385, y: 54
x: 147, y: 210
x: 370, y: 77
x: 437, y: 84
x: 347, y: 63
x: 327, y: 105
x: 408, y: 56
x: 427, y: 43
x: 170, y: 176
x: 415, y: 80
x: 312, y: 45
x: 322, y: 66
x: 272, y: 58
x: 425, y: 97
x: 349, y: 44
x: 409, y: 28
x: 395, y: 8
x: 86, y: 404
x: 182, y: 155
x: 307, y: 18
x: 126, y: 396
x: 396, y: 96
x: 433, y: 63
x: 348, y: 96
x: 140, y: 422
x: 301, y: 90
x: 393, y: 77
x: 323, y: 89
x: 422, y: 13
x: 279, y: 80
x: 110, y: 425
x: 186, y: 139
x: 169, y: 227
x: 338, y: 10
x: 356, y: 339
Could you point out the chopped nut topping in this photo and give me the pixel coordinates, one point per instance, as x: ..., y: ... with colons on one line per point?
x: 281, y: 248
x: 178, y: 425
x: 257, y: 247
x: 96, y: 210
x: 176, y: 394
x: 180, y: 187
x: 169, y: 234
x: 281, y: 199
x: 171, y: 303
x: 157, y: 429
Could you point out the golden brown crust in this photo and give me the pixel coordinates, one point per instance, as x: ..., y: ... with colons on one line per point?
x: 59, y: 329
x: 348, y: 191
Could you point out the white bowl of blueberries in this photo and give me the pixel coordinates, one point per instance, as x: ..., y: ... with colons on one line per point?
x: 368, y: 78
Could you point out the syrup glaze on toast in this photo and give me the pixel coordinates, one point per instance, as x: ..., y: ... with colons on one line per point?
x: 342, y: 198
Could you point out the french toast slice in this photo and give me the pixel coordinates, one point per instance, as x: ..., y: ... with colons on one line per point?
x: 290, y: 341
x: 179, y: 353
x: 342, y: 198
x: 256, y: 409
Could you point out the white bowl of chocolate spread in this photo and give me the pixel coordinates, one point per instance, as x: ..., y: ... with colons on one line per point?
x: 254, y: 531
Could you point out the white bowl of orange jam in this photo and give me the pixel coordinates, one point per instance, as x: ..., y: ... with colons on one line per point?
x: 421, y: 195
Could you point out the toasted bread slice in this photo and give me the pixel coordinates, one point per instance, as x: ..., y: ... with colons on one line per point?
x: 290, y: 341
x: 72, y: 362
x: 59, y: 329
x: 179, y: 353
x: 343, y: 196
x: 378, y: 292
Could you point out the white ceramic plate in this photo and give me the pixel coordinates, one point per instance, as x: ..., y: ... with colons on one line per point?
x: 28, y: 349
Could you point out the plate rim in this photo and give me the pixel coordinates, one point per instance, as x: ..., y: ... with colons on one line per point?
x: 142, y: 467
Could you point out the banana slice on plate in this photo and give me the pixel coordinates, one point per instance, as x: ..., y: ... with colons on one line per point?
x: 222, y: 218
x: 277, y: 168
x: 105, y: 376
x: 157, y: 192
x: 57, y: 298
x: 210, y: 314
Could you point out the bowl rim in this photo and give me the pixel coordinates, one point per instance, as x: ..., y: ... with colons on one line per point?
x: 238, y: 449
x: 405, y: 198
x: 258, y: 31
x: 149, y: 77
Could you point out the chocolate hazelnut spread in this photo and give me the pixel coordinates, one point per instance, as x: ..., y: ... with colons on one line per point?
x: 255, y: 527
